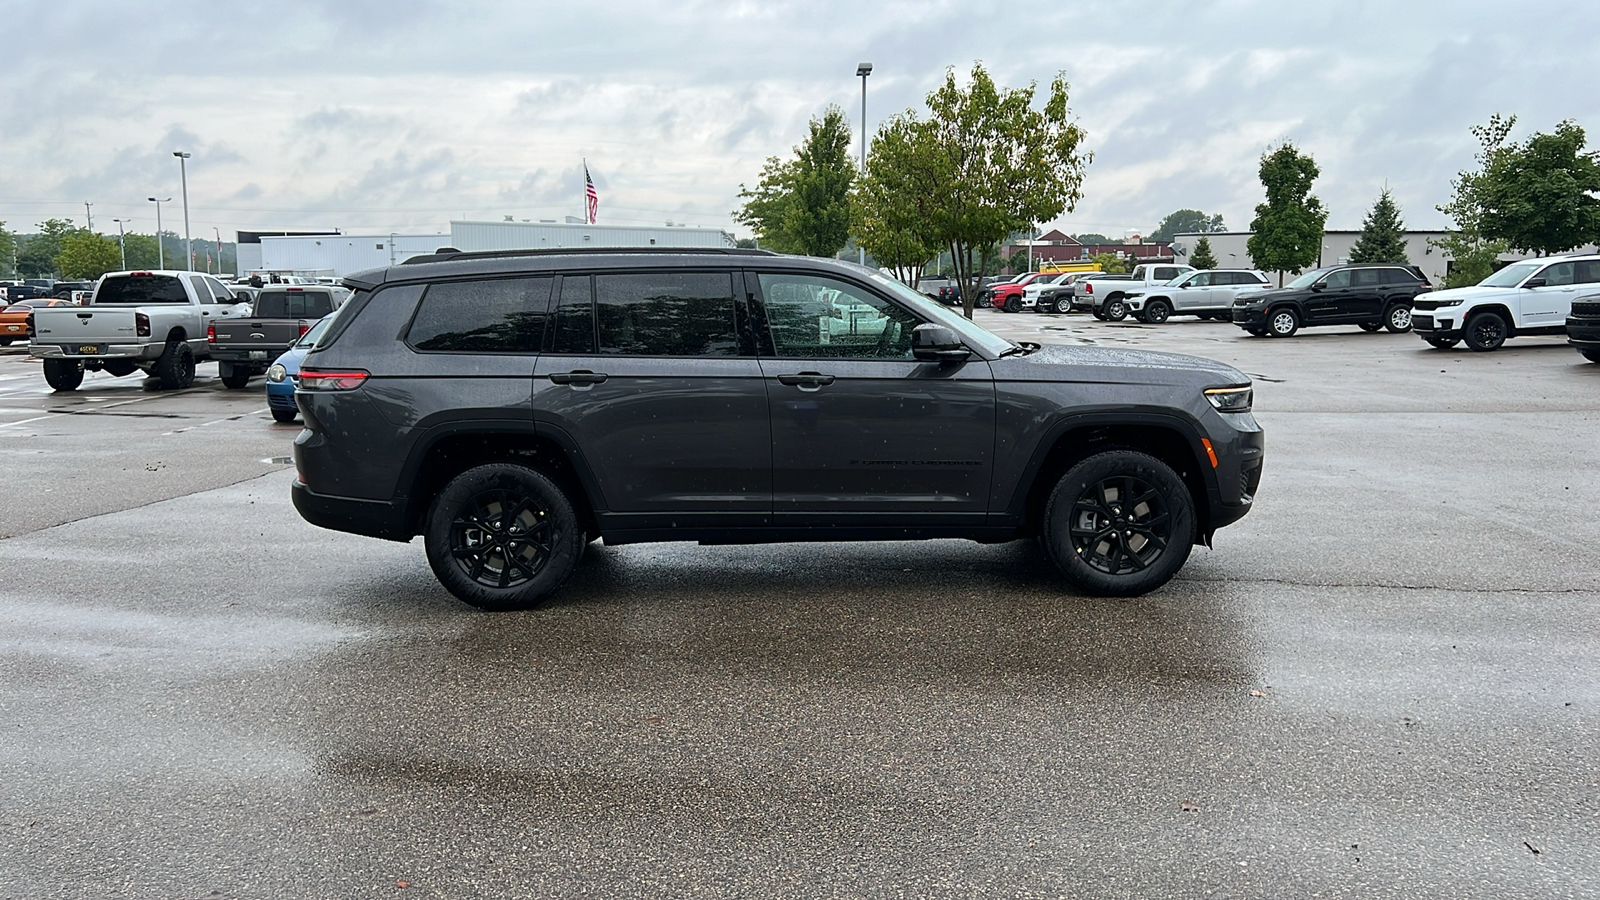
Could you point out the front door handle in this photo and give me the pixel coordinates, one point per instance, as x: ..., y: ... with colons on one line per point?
x: 806, y: 381
x: 579, y: 377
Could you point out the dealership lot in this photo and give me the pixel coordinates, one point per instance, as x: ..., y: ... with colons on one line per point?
x: 1379, y: 683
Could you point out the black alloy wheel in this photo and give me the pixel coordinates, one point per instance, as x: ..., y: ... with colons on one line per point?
x: 1156, y: 312
x: 1485, y: 331
x: 1013, y: 304
x: 1120, y: 523
x: 175, y: 368
x: 1397, y: 319
x: 502, y: 536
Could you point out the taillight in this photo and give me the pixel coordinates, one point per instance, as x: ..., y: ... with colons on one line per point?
x: 304, y: 327
x: 211, y: 332
x: 1088, y: 288
x: 141, y: 324
x: 331, y: 379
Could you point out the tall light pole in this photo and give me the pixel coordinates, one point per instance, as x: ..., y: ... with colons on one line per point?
x: 863, y: 70
x: 183, y: 172
x: 161, y: 254
x: 122, y: 242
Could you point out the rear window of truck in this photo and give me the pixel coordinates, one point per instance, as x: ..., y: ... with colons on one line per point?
x: 292, y: 305
x: 139, y: 289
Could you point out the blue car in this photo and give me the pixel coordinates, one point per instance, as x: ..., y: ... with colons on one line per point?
x: 284, y: 375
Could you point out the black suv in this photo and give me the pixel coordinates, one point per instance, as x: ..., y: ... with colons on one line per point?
x: 1371, y: 295
x: 509, y: 407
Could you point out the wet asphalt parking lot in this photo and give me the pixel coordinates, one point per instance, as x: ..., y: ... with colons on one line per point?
x: 1384, y: 682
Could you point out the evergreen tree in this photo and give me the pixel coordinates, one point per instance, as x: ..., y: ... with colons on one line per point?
x: 1201, y: 258
x: 1383, y: 235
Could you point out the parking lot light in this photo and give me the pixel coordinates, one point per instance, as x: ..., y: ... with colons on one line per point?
x: 183, y: 173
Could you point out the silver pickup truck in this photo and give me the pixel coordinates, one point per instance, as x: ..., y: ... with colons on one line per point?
x: 154, y: 321
x: 281, y: 314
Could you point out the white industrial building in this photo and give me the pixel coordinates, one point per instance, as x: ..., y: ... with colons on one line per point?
x: 1232, y: 251
x: 341, y: 254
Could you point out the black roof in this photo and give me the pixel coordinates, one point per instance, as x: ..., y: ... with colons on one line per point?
x: 454, y: 263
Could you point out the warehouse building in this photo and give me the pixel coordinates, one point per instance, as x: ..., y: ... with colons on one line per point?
x: 340, y: 254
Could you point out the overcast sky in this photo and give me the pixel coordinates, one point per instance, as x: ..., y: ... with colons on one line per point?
x: 401, y: 115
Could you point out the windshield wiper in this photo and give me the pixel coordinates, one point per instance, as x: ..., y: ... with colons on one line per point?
x: 1023, y: 349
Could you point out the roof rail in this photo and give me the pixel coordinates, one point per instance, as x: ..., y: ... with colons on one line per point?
x: 448, y: 254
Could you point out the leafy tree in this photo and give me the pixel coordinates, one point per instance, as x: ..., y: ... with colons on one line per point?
x: 141, y: 250
x: 85, y: 254
x: 1201, y: 257
x: 887, y: 220
x: 1185, y: 221
x: 1286, y: 234
x: 1472, y: 256
x: 37, y: 257
x: 8, y: 250
x: 1383, y: 234
x: 984, y: 164
x: 745, y: 243
x: 1094, y: 238
x: 1110, y: 263
x: 802, y: 205
x: 1537, y: 196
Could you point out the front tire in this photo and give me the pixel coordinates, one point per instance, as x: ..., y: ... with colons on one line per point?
x: 1485, y: 331
x: 1013, y: 304
x: 284, y: 416
x: 1156, y: 312
x: 1063, y: 305
x: 1397, y: 319
x: 502, y: 537
x: 1282, y: 323
x: 1119, y: 524
x: 1443, y: 343
x: 175, y: 368
x: 63, y: 374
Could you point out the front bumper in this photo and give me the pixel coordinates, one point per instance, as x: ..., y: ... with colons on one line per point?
x: 280, y: 395
x: 1435, y: 325
x: 1250, y: 316
x: 1583, y: 333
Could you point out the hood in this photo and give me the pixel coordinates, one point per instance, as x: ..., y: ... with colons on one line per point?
x: 1057, y: 362
x: 1474, y: 292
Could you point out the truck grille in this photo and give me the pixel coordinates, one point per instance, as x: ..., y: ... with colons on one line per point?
x: 1586, y: 309
x: 1420, y: 303
x: 1421, y: 323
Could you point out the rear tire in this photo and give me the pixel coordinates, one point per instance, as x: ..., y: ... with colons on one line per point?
x: 1397, y: 319
x: 502, y: 537
x: 284, y: 416
x: 63, y: 374
x: 1119, y: 524
x: 234, y: 375
x: 175, y: 368
x: 1063, y: 304
x: 1485, y: 331
x: 1372, y: 327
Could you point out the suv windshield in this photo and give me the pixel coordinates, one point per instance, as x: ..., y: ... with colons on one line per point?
x: 984, y: 340
x: 140, y: 289
x: 1511, y: 275
x: 1307, y: 279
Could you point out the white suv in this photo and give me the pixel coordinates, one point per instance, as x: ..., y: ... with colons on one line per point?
x: 1533, y: 296
x: 1208, y: 294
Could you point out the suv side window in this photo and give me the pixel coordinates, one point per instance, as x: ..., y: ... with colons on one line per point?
x: 500, y: 316
x: 1588, y: 272
x: 574, y: 317
x: 1558, y: 274
x: 1339, y: 279
x: 816, y: 316
x: 1366, y: 277
x: 1205, y: 279
x: 666, y: 314
x: 1398, y: 276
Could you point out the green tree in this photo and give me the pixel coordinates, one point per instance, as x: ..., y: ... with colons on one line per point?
x: 141, y: 250
x: 802, y: 205
x: 1094, y: 238
x: 1110, y: 263
x: 1201, y: 257
x: 985, y: 164
x: 1537, y: 196
x: 889, y: 217
x: 1286, y: 234
x: 8, y: 251
x: 1185, y: 221
x: 1383, y: 234
x: 37, y: 256
x: 85, y: 254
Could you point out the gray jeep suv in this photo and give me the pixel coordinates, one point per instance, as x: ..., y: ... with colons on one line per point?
x: 509, y: 407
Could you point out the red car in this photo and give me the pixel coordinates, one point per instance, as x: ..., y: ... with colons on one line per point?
x: 1007, y: 295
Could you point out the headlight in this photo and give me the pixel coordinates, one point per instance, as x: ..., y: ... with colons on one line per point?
x: 1443, y: 303
x: 276, y: 373
x: 1230, y: 399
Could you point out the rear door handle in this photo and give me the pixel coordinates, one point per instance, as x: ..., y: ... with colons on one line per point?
x: 580, y: 377
x: 806, y: 381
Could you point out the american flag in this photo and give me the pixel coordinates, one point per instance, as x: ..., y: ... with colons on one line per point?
x: 589, y: 194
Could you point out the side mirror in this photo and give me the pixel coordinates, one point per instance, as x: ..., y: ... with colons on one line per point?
x: 1534, y: 282
x: 1318, y: 286
x: 936, y: 343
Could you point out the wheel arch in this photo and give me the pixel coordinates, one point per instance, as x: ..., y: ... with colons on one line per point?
x: 1169, y: 439
x: 448, y: 451
x: 1499, y: 309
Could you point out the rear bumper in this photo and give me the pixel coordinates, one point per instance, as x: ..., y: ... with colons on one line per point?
x: 111, y: 351
x: 242, y: 354
x: 373, y: 518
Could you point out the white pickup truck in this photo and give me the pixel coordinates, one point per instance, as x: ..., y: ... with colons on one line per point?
x: 155, y: 321
x: 1104, y: 295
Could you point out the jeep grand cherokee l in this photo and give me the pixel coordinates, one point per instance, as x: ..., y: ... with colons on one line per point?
x: 509, y: 407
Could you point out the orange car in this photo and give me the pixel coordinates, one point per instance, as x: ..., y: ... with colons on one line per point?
x: 14, y: 318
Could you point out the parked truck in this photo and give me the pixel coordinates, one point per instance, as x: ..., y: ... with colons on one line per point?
x: 246, y: 345
x: 151, y: 320
x: 1106, y: 300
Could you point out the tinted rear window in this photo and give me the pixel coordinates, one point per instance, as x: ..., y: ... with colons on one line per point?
x: 666, y: 314
x: 141, y: 289
x: 500, y: 316
x: 293, y: 305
